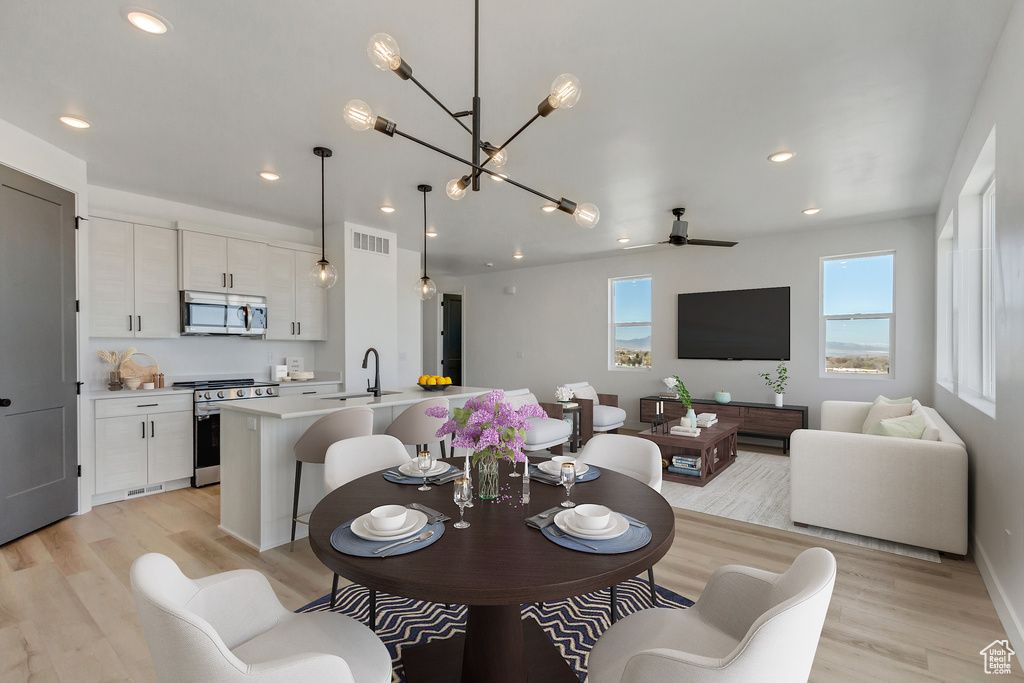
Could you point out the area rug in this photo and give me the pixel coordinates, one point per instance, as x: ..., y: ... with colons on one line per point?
x: 755, y: 489
x: 573, y: 624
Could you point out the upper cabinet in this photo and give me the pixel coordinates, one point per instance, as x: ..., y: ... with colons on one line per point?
x: 212, y: 263
x: 133, y: 280
x: 295, y: 305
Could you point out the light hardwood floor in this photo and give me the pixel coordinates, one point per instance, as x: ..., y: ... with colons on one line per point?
x: 66, y: 611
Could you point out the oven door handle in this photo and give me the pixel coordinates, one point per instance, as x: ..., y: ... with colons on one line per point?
x: 248, y: 317
x: 207, y: 410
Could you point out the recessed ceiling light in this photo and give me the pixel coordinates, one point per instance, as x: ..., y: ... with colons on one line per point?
x: 267, y: 175
x: 779, y: 157
x: 387, y: 209
x: 623, y: 240
x: 489, y: 264
x: 147, y: 21
x: 517, y: 256
x: 75, y: 122
x: 811, y: 211
x: 431, y: 234
x: 548, y: 208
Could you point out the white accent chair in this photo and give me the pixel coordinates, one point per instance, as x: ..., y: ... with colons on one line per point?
x: 748, y: 625
x: 634, y: 457
x: 543, y: 434
x: 414, y: 427
x: 601, y: 412
x: 230, y: 627
x: 357, y: 457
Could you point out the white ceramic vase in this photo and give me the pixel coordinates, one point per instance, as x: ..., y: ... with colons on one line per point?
x: 779, y: 400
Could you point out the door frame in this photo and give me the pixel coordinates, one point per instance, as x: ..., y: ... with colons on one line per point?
x: 439, y: 341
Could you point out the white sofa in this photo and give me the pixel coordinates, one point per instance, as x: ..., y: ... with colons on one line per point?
x: 543, y: 434
x: 911, y: 491
x: 600, y: 412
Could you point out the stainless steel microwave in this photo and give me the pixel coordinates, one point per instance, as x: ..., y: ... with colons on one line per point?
x: 212, y: 313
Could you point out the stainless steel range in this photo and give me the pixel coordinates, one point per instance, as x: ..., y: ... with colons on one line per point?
x: 206, y: 398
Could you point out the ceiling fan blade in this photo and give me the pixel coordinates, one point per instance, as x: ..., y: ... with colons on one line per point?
x: 641, y: 246
x: 711, y: 243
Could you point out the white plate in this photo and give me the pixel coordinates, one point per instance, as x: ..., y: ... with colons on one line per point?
x: 415, y: 521
x: 617, y: 526
x: 413, y: 471
x: 553, y: 468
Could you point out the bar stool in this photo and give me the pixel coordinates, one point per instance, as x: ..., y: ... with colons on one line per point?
x: 312, y: 446
x: 414, y: 427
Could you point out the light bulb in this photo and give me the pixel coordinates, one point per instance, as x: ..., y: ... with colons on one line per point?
x: 499, y: 159
x: 323, y: 274
x: 587, y: 215
x: 383, y: 52
x: 147, y: 21
x: 455, y: 189
x: 358, y: 115
x: 425, y: 288
x: 565, y: 92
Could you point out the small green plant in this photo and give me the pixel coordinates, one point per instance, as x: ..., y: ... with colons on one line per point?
x: 778, y: 383
x: 682, y: 394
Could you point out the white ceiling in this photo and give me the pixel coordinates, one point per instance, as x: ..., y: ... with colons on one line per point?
x: 682, y: 102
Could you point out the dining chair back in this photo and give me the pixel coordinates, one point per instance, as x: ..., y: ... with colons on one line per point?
x: 747, y: 625
x: 413, y: 427
x: 230, y: 627
x: 630, y: 455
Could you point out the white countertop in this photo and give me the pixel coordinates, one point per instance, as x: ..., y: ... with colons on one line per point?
x: 290, y: 407
x: 100, y: 394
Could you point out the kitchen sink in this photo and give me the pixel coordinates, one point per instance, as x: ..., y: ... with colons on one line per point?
x: 361, y: 394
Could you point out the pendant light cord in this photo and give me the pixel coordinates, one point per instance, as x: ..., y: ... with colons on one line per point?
x: 424, y: 234
x: 323, y: 219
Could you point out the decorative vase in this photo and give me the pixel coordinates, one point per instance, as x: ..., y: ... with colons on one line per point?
x: 722, y: 396
x: 115, y: 380
x: 691, y: 416
x: 778, y: 400
x: 487, y: 477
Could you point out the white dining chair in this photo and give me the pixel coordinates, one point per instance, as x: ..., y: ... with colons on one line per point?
x: 634, y: 457
x: 230, y: 628
x: 747, y: 625
x: 357, y: 457
x: 413, y: 427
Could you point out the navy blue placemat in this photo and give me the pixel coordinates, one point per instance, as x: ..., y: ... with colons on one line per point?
x: 635, y: 537
x: 396, y: 477
x: 344, y: 541
x: 543, y: 477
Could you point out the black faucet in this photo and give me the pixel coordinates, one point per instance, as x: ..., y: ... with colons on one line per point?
x: 375, y: 389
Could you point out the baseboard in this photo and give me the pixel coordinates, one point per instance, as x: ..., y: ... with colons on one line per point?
x: 1007, y: 615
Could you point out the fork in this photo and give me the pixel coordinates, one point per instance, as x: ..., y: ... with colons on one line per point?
x: 560, y: 534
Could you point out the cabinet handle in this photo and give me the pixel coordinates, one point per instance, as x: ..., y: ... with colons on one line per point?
x: 300, y: 326
x: 293, y: 327
x: 223, y: 279
x: 147, y: 405
x: 152, y: 429
x: 143, y: 429
x: 130, y: 324
x: 139, y: 328
x: 232, y: 280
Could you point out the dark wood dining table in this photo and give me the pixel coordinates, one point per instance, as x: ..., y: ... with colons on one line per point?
x: 493, y: 567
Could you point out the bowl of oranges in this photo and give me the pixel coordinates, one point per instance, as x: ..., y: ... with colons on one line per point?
x: 434, y: 383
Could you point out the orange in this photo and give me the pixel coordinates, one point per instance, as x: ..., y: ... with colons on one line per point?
x: 431, y: 381
x: 423, y: 379
x: 447, y: 380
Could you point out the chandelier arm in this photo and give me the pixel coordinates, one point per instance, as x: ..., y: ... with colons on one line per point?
x: 478, y: 167
x: 440, y: 104
x: 506, y: 143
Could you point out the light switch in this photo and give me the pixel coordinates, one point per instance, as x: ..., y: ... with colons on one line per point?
x: 250, y: 422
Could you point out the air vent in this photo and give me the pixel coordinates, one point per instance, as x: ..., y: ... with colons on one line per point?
x: 371, y: 243
x: 143, y: 491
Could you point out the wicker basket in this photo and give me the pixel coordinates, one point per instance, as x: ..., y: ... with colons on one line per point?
x: 147, y: 373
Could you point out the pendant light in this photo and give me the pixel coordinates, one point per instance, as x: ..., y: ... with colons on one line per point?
x: 425, y: 287
x: 323, y: 274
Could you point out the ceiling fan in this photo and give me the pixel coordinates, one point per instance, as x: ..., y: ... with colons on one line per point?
x: 678, y: 238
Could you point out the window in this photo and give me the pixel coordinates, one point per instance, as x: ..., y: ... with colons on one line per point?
x: 857, y: 314
x: 629, y: 303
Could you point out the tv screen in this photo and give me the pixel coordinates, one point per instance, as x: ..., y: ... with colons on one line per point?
x: 741, y: 324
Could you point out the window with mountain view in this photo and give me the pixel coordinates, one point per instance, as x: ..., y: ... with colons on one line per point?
x: 857, y: 315
x: 630, y: 308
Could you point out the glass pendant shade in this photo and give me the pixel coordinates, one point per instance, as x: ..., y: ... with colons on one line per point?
x: 566, y: 91
x: 426, y: 288
x: 323, y: 274
x: 455, y: 189
x: 587, y: 215
x: 358, y: 115
x: 499, y: 159
x: 383, y: 52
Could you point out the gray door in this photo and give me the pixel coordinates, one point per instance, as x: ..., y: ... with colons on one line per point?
x: 451, y: 351
x: 38, y: 355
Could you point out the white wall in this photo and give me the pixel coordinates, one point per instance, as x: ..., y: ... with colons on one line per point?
x: 410, y: 319
x: 554, y: 329
x: 994, y: 444
x: 371, y: 311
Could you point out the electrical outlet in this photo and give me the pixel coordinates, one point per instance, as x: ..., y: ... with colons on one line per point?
x: 401, y: 355
x: 520, y: 354
x: 250, y: 422
x: 270, y: 357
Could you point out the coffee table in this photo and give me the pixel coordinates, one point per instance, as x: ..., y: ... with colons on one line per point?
x: 716, y: 447
x: 493, y: 567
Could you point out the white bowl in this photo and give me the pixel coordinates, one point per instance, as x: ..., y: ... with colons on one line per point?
x: 149, y: 385
x: 592, y: 517
x: 388, y: 517
x: 563, y: 459
x: 132, y: 382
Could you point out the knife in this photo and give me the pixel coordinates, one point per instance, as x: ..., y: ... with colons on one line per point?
x: 395, y: 546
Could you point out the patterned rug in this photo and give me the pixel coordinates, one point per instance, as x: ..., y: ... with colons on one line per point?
x: 572, y: 624
x: 755, y: 489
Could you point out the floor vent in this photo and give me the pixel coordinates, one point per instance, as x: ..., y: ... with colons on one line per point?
x: 143, y: 491
x: 371, y: 243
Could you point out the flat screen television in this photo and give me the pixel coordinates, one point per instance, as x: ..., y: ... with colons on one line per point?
x: 740, y: 324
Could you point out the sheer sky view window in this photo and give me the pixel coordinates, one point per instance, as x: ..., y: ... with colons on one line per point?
x: 857, y: 312
x: 631, y: 322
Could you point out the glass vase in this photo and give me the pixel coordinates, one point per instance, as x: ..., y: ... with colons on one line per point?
x: 487, y: 477
x: 115, y: 381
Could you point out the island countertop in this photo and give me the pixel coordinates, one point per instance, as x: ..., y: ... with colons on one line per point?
x: 291, y: 407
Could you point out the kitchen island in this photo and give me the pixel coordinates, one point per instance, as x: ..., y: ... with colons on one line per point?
x: 257, y: 466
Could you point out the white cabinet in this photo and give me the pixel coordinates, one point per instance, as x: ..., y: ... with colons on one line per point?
x: 298, y: 388
x: 133, y: 280
x: 142, y: 441
x: 212, y: 263
x: 295, y: 305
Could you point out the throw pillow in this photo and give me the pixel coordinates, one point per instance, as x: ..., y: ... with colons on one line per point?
x: 931, y: 430
x: 880, y: 399
x: 518, y: 402
x: 884, y: 411
x: 909, y: 427
x: 586, y: 392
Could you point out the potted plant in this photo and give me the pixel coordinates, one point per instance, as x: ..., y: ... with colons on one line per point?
x: 114, y: 360
x: 684, y: 397
x: 778, y: 382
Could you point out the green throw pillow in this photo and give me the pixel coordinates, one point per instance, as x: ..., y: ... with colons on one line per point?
x: 909, y: 427
x: 892, y: 401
